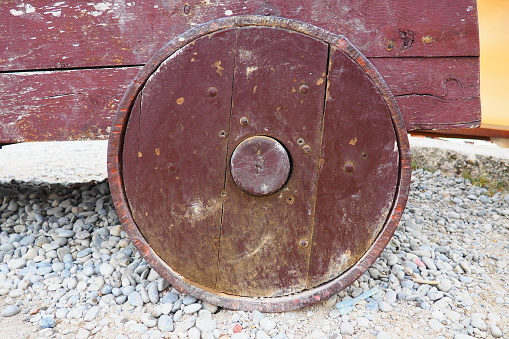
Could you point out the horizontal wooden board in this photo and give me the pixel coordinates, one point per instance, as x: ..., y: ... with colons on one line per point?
x: 47, y: 34
x: 434, y: 93
x: 79, y: 104
x: 60, y: 105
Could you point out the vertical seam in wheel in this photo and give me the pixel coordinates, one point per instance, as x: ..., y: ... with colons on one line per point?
x: 227, y: 152
x: 322, y: 127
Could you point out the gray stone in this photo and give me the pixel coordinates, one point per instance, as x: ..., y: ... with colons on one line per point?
x: 206, y: 325
x: 140, y: 328
x: 47, y: 322
x: 496, y: 332
x: 346, y: 328
x: 444, y: 285
x: 153, y: 292
x: 436, y: 325
x: 185, y: 324
x: 14, y: 264
x: 363, y: 322
x: 83, y: 334
x: 135, y: 299
x: 429, y: 263
x: 453, y: 215
x: 107, y: 269
x: 162, y: 284
x: 192, y: 308
x: 479, y: 323
x: 61, y: 313
x: 170, y: 298
x: 390, y: 296
x: 384, y: 306
x: 66, y: 233
x: 257, y: 316
x: 91, y: 313
x: 189, y: 299
x: 193, y: 333
x: 10, y: 311
x: 267, y: 324
x: 165, y: 323
x: 148, y: 320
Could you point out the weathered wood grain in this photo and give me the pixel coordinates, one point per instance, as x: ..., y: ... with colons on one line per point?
x: 434, y: 93
x: 48, y: 34
x: 60, y: 105
x: 359, y: 171
x: 265, y: 240
x: 175, y: 171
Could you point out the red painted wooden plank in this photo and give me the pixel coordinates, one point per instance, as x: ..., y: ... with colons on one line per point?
x: 175, y: 174
x: 79, y: 104
x: 280, y: 88
x: 434, y: 94
x: 60, y: 105
x: 359, y: 171
x: 48, y: 34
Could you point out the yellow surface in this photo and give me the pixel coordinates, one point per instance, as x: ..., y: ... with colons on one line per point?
x: 494, y: 33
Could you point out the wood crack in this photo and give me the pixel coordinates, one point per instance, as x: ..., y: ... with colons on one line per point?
x: 441, y: 98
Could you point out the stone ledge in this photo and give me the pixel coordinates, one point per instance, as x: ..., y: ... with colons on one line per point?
x: 486, y: 162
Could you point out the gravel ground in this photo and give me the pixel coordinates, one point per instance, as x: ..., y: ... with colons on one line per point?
x: 67, y: 270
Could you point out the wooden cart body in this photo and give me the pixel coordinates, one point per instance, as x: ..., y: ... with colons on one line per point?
x: 64, y: 66
x: 259, y: 159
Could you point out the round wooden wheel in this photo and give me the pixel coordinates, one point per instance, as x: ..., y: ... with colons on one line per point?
x: 259, y: 163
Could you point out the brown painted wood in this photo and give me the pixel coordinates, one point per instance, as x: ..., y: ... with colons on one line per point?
x: 73, y: 34
x: 44, y: 99
x: 260, y: 252
x: 358, y: 174
x: 93, y: 95
x: 174, y: 161
x: 301, y: 134
x: 63, y: 105
x: 434, y: 94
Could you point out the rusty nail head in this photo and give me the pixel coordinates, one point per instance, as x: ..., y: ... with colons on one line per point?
x: 172, y: 168
x: 349, y: 167
x: 303, y: 243
x: 187, y: 9
x: 306, y: 148
x: 244, y: 121
x: 212, y: 91
x: 223, y: 134
x: 300, y: 142
x: 304, y: 88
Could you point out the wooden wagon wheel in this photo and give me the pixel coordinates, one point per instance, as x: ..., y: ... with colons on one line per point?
x: 259, y: 163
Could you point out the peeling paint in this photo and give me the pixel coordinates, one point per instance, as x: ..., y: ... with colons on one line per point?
x: 16, y: 12
x: 250, y: 70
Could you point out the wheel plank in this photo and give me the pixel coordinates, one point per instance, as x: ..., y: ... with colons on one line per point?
x: 358, y: 174
x: 279, y: 86
x: 175, y: 176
